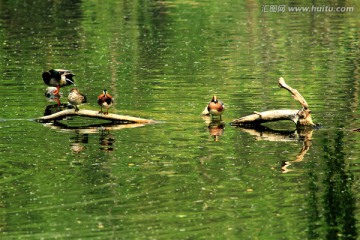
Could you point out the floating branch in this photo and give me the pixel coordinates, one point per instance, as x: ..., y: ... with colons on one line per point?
x: 300, y: 117
x: 268, y: 116
x: 296, y: 95
x: 115, y: 118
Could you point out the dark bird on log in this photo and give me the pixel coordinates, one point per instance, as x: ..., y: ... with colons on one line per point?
x: 75, y: 98
x: 58, y: 78
x: 105, y: 100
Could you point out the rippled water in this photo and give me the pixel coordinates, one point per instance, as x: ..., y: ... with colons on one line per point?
x: 164, y: 60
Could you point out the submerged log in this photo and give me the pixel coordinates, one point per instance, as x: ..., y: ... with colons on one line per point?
x: 92, y: 114
x: 300, y: 117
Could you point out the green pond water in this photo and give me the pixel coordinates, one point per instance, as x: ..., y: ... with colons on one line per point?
x: 163, y: 60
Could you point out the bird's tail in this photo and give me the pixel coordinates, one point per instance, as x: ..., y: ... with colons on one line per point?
x: 71, y: 81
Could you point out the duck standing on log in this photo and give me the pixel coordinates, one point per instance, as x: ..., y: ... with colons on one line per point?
x: 58, y: 78
x: 75, y: 98
x: 105, y: 100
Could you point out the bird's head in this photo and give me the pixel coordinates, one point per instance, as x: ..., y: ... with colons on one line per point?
x: 214, y: 99
x: 55, y: 74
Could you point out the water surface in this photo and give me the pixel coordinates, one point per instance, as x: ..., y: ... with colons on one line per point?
x: 164, y: 60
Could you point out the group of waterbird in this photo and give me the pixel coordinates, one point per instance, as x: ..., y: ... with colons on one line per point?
x: 57, y: 78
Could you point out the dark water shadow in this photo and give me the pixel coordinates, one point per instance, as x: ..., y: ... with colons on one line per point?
x: 338, y: 196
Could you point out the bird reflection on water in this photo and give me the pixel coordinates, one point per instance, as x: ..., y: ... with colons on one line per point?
x: 106, y: 141
x: 78, y: 142
x: 83, y: 133
x: 216, y: 127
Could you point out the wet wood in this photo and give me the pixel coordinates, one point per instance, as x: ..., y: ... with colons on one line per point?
x: 300, y: 117
x: 268, y: 116
x: 93, y: 114
x: 296, y: 95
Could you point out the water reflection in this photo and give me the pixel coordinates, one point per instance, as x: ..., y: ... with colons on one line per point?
x: 299, y: 134
x: 305, y: 148
x: 216, y: 127
x: 157, y: 56
x: 81, y: 133
x: 338, y: 198
x: 106, y: 141
x: 66, y: 126
x: 77, y: 143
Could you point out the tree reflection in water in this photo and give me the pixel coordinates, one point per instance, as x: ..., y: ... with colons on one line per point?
x: 335, y: 188
x: 338, y: 197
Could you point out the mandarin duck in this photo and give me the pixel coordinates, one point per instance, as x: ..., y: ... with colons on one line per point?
x: 215, y: 107
x: 105, y: 100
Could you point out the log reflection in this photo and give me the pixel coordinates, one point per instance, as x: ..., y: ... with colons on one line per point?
x: 83, y: 130
x: 299, y: 134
